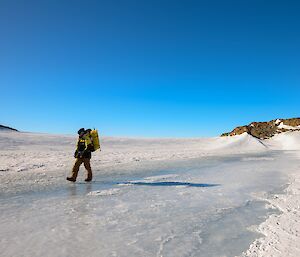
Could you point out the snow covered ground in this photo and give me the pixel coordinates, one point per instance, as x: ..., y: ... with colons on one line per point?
x: 151, y: 197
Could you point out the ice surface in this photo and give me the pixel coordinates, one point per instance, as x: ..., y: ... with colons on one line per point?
x: 107, y: 192
x: 195, y: 197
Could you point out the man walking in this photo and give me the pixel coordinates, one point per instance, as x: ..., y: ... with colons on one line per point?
x: 82, y: 155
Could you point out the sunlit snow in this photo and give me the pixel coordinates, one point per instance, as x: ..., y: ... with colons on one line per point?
x: 149, y: 197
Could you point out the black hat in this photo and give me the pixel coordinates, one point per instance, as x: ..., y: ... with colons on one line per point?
x: 80, y: 131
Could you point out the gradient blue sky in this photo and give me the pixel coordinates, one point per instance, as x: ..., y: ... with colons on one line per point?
x: 148, y: 68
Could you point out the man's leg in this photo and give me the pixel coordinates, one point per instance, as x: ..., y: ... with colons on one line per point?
x: 75, y: 169
x: 87, y: 165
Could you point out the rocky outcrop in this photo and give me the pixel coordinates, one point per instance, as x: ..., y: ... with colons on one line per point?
x: 264, y: 130
x: 7, y: 128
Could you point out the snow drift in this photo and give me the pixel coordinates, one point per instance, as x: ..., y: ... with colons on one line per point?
x: 285, y: 141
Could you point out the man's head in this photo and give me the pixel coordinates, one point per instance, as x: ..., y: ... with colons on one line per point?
x: 81, y: 132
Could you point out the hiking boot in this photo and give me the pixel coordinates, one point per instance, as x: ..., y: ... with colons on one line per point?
x: 88, y: 180
x: 71, y: 179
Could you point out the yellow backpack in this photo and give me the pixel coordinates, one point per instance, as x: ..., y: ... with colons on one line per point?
x: 95, y: 139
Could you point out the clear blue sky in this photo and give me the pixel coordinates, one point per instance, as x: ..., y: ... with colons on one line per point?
x: 148, y: 68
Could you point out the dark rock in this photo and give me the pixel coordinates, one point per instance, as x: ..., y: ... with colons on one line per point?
x: 7, y: 128
x: 264, y: 130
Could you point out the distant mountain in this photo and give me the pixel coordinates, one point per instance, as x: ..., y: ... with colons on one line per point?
x: 7, y: 128
x: 264, y: 130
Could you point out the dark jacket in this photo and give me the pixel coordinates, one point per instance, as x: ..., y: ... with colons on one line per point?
x: 84, y: 147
